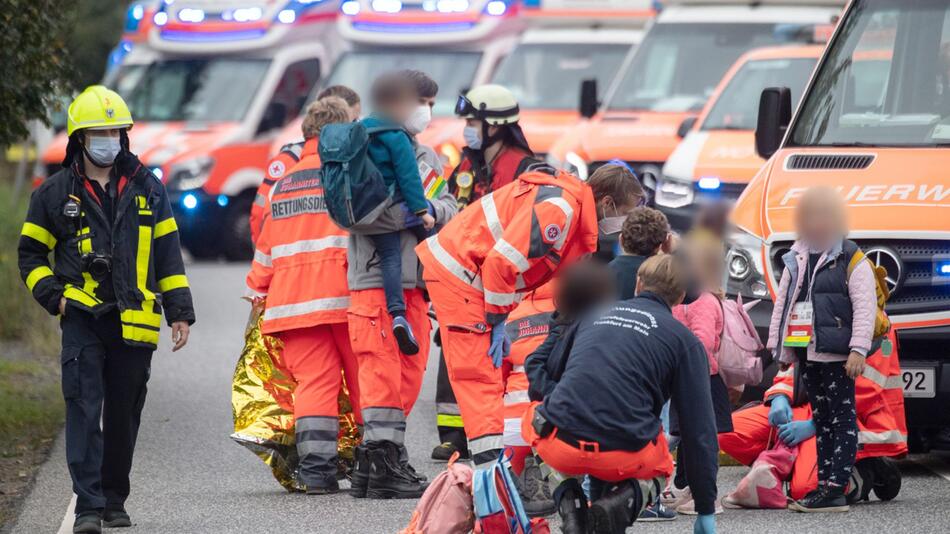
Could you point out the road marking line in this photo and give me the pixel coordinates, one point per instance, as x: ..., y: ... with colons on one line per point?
x: 66, y: 527
x: 936, y: 466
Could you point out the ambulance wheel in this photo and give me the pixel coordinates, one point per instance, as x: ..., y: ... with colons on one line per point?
x: 236, y: 234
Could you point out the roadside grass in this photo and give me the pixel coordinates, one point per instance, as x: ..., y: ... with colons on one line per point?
x: 31, y: 405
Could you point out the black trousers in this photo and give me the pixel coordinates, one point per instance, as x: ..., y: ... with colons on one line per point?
x: 831, y: 393
x: 448, y: 420
x: 103, y: 380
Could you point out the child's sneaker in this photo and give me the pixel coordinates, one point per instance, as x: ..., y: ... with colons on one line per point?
x: 826, y: 499
x: 656, y: 512
x: 404, y: 336
x: 689, y: 507
x: 673, y: 496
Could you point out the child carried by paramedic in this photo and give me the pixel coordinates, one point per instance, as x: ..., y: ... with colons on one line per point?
x: 375, y: 187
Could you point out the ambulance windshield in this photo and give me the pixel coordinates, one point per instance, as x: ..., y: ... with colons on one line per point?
x: 677, y: 66
x: 885, y: 80
x: 737, y: 107
x: 453, y: 71
x: 203, y: 90
x: 549, y: 76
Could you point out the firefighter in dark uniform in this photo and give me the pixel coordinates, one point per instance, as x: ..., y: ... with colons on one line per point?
x: 108, y: 222
x: 496, y: 153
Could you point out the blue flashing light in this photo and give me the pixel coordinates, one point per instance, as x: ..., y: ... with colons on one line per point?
x: 223, y: 200
x: 350, y: 8
x: 158, y: 172
x: 189, y: 201
x: 160, y: 18
x: 197, y: 37
x: 943, y: 268
x: 709, y: 183
x: 387, y: 6
x: 137, y: 11
x: 191, y: 15
x: 413, y: 28
x: 496, y: 8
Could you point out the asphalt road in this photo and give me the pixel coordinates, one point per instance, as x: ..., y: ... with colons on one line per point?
x: 189, y: 477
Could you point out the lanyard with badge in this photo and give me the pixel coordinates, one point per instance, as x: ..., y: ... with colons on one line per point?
x: 800, y: 328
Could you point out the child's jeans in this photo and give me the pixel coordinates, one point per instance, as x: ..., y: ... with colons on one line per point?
x: 831, y: 393
x: 389, y: 248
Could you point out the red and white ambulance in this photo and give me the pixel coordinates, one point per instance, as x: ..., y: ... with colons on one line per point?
x: 210, y: 87
x: 874, y: 123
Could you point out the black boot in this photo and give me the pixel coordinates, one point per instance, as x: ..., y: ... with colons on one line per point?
x: 887, y: 478
x: 88, y: 523
x: 535, y: 494
x: 572, y: 507
x: 389, y: 478
x: 116, y: 517
x: 617, y: 509
x: 359, y: 479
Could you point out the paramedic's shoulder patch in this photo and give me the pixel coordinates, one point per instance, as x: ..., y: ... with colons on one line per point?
x: 276, y: 169
x: 552, y: 233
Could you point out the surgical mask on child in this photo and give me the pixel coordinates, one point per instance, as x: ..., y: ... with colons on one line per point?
x: 419, y: 120
x: 473, y: 138
x: 102, y: 150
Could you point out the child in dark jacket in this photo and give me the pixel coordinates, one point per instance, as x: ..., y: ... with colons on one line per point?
x: 824, y: 318
x: 395, y: 101
x: 645, y: 232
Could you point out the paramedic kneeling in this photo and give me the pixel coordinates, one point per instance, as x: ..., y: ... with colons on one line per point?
x: 603, y: 417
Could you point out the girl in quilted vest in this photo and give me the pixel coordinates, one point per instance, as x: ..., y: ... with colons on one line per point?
x: 824, y: 319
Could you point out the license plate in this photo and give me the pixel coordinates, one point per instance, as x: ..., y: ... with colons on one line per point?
x: 919, y: 382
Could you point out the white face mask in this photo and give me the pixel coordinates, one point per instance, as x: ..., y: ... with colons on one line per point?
x: 419, y: 120
x: 473, y: 138
x: 102, y: 150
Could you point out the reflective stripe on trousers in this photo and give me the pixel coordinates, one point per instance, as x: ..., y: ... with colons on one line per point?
x: 316, y: 446
x: 384, y: 424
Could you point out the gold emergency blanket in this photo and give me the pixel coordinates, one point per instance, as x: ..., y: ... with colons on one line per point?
x: 262, y: 407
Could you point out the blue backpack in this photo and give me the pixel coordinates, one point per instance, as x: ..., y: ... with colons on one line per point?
x: 498, y: 507
x: 353, y: 187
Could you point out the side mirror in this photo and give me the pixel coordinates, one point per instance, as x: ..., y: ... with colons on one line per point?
x: 775, y: 113
x: 589, y: 103
x: 275, y: 116
x: 686, y: 126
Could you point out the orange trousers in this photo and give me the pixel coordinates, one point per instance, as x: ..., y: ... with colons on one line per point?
x: 650, y: 462
x: 389, y: 380
x: 479, y: 387
x: 314, y: 357
x: 752, y: 434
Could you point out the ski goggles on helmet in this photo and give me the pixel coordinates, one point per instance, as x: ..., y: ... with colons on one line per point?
x: 466, y: 109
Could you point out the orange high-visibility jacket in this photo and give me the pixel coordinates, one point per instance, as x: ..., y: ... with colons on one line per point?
x: 527, y: 327
x: 514, y: 239
x: 277, y: 167
x: 300, y: 258
x: 879, y: 402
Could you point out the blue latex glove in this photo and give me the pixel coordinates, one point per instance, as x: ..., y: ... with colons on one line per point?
x: 796, y: 432
x: 780, y: 412
x: 500, y: 344
x: 705, y: 524
x: 411, y: 218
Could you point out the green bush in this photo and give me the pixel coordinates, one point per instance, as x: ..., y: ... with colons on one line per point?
x: 21, y: 318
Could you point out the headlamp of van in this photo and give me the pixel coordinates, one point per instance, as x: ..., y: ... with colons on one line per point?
x: 674, y: 193
x: 744, y: 267
x: 191, y: 174
x: 576, y: 164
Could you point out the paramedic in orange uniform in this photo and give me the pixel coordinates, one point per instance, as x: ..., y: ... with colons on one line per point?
x: 390, y: 381
x: 290, y: 154
x: 299, y: 266
x: 510, y: 242
x: 497, y: 152
x: 882, y: 430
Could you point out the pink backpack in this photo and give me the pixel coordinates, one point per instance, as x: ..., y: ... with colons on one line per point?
x: 738, y: 360
x: 763, y: 486
x: 446, y: 507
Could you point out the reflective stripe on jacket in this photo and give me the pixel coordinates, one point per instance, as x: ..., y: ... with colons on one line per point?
x: 879, y: 402
x: 300, y: 258
x: 514, y: 239
x: 148, y: 274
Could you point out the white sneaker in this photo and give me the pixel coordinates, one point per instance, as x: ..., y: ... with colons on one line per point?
x: 689, y: 507
x: 673, y: 496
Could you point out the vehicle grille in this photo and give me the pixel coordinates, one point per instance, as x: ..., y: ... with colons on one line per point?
x: 829, y: 161
x: 918, y: 289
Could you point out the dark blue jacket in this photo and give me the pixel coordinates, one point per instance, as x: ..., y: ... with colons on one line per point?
x: 624, y: 364
x: 393, y: 154
x: 545, y: 365
x: 625, y: 267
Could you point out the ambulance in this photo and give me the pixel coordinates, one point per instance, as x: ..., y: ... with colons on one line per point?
x: 568, y: 43
x: 673, y: 72
x: 459, y: 43
x: 717, y: 158
x: 209, y: 88
x: 873, y: 123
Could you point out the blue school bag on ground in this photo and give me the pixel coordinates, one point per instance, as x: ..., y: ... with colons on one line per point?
x: 353, y: 187
x: 498, y: 507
